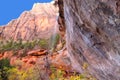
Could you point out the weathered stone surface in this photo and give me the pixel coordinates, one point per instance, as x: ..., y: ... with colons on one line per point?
x: 34, y: 24
x: 38, y: 52
x: 93, y: 36
x: 7, y: 54
x: 61, y: 60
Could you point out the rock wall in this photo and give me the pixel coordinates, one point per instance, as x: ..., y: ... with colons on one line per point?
x: 93, y: 36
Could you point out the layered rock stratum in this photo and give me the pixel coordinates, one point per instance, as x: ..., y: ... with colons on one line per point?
x: 37, y: 23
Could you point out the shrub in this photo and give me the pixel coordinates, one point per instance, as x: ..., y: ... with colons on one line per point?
x: 26, y: 45
x: 4, y: 67
x: 58, y: 74
x: 43, y: 43
x: 23, y: 74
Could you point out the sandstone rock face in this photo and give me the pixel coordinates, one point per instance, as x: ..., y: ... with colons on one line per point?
x: 34, y: 24
x: 38, y: 52
x: 93, y: 36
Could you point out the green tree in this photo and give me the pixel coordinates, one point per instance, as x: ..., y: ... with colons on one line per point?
x: 4, y: 67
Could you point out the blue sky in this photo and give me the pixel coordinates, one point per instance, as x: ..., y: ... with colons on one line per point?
x: 11, y: 9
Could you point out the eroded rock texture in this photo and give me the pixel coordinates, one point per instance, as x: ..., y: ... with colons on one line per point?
x: 61, y: 20
x: 93, y: 36
x: 37, y: 23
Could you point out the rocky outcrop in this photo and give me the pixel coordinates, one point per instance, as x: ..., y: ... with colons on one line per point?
x: 37, y: 23
x: 38, y: 52
x: 41, y: 60
x: 93, y: 35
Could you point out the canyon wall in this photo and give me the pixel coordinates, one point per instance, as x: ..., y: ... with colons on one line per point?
x: 37, y: 23
x: 93, y: 36
x: 91, y: 29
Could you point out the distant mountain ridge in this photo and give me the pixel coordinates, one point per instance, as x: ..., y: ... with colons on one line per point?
x: 37, y: 23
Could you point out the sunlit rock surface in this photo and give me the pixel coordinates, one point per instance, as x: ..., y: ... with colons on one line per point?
x: 34, y: 24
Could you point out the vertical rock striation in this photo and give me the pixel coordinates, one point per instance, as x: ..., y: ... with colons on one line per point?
x: 93, y: 36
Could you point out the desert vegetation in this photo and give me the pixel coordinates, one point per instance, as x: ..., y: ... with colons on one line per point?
x: 8, y: 72
x: 17, y: 45
x: 50, y: 43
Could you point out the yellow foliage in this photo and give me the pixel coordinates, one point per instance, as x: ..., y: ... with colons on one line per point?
x: 58, y: 74
x: 16, y: 74
x: 85, y: 66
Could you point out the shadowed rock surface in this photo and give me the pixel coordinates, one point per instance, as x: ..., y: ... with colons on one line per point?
x: 34, y: 24
x: 93, y: 36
